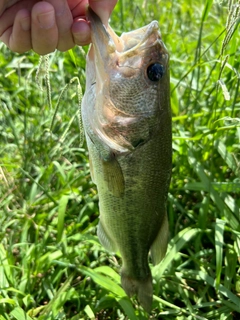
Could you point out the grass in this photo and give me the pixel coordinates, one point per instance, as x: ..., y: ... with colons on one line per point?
x: 51, y: 263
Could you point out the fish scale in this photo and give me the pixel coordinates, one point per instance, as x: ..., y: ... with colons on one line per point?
x: 127, y: 121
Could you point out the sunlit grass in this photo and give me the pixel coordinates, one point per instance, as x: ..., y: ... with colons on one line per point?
x: 51, y: 263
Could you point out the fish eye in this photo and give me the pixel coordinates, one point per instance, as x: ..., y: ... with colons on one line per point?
x: 155, y: 71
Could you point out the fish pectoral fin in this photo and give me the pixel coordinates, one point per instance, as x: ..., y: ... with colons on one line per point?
x: 91, y: 169
x: 159, y: 246
x: 113, y: 175
x: 104, y: 239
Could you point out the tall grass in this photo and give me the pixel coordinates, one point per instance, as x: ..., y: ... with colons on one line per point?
x: 51, y: 263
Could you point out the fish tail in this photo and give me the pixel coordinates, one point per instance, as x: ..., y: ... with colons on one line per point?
x: 141, y: 287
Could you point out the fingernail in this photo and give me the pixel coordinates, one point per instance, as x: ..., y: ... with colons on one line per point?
x: 25, y: 24
x: 46, y: 20
x: 81, y: 31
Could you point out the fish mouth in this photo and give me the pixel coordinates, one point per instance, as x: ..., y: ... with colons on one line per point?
x: 104, y: 46
x: 146, y: 36
x: 110, y: 49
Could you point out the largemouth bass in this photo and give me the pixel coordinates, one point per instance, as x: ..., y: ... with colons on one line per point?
x: 127, y: 121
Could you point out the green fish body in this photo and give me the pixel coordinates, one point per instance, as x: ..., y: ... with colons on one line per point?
x: 127, y: 121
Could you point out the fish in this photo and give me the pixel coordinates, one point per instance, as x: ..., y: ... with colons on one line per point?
x: 126, y: 117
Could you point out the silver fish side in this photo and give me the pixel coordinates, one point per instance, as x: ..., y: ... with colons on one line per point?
x: 127, y: 120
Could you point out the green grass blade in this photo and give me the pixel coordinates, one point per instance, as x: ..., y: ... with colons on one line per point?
x: 60, y: 170
x: 175, y: 246
x: 72, y: 56
x: 61, y: 216
x: 19, y: 314
x: 227, y: 293
x: 128, y: 309
x: 89, y: 312
x: 60, y: 296
x: 227, y: 156
x: 219, y: 242
x: 104, y: 281
x: 108, y: 272
x: 232, y: 220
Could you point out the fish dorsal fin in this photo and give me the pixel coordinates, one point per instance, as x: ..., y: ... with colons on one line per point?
x: 159, y: 246
x: 113, y: 176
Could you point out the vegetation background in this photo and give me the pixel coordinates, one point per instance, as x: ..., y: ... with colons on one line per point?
x: 51, y: 263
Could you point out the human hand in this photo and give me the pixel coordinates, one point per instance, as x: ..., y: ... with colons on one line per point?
x: 48, y: 25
